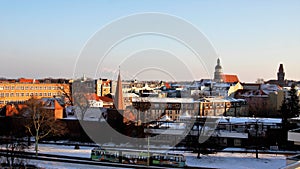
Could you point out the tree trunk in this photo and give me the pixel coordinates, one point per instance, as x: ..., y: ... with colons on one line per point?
x: 36, y: 147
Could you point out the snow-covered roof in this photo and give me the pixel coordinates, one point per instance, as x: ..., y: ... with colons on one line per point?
x: 163, y: 100
x: 249, y: 120
x: 165, y: 118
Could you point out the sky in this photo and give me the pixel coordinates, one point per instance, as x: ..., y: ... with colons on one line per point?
x: 50, y: 39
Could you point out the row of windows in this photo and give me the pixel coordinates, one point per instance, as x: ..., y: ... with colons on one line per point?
x: 28, y: 94
x: 31, y: 87
x: 7, y: 101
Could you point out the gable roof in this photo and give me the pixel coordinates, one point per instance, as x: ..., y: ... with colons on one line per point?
x: 106, y: 99
x: 230, y: 78
x: 93, y: 96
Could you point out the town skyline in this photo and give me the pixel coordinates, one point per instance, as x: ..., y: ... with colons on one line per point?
x: 251, y: 38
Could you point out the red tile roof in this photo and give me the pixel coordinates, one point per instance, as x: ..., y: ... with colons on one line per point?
x: 230, y: 78
x: 106, y: 99
x: 97, y: 98
x: 92, y: 96
x: 23, y: 80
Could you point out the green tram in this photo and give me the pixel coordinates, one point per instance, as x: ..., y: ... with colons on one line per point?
x: 138, y: 157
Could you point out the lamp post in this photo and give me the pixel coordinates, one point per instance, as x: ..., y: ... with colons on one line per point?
x: 148, y: 159
x: 256, y: 131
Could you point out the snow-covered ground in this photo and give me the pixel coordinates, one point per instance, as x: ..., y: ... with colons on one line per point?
x: 58, y: 165
x: 64, y: 150
x: 236, y: 160
x: 218, y: 160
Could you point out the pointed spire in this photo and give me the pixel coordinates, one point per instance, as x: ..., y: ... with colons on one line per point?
x: 280, y: 75
x: 218, y: 75
x: 280, y: 68
x: 119, y: 100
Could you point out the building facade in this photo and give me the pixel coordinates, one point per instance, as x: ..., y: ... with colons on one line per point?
x: 151, y: 109
x: 21, y: 90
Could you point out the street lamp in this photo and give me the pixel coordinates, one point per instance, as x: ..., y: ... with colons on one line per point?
x: 256, y: 131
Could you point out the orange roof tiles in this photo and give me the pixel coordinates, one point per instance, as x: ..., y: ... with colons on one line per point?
x: 93, y: 96
x: 23, y: 80
x: 105, y: 99
x: 230, y: 78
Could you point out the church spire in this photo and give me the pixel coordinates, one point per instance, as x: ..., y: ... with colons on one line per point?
x: 119, y: 100
x: 218, y: 75
x: 280, y: 75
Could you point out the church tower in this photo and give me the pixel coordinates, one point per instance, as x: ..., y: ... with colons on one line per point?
x: 119, y: 100
x: 280, y: 75
x: 218, y: 72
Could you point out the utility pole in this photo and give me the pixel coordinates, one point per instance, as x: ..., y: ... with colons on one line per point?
x: 256, y: 142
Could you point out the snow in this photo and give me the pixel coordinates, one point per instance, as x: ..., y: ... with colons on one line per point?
x: 60, y: 165
x: 64, y: 150
x: 243, y: 120
x: 218, y: 160
x: 236, y: 160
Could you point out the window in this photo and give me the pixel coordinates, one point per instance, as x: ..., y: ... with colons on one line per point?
x: 26, y: 87
x: 41, y: 94
x: 2, y: 94
x: 22, y: 87
x: 31, y: 88
x: 45, y: 94
x: 13, y: 88
x: 22, y: 94
x: 6, y: 94
x: 41, y: 88
x: 27, y: 94
x: 17, y: 94
x: 12, y: 94
x: 31, y: 94
x: 49, y: 94
x: 7, y: 87
x: 36, y: 94
x: 237, y: 142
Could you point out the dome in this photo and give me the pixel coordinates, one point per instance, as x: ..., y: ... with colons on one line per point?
x: 218, y: 67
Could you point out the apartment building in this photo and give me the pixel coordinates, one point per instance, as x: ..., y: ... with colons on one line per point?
x: 20, y: 90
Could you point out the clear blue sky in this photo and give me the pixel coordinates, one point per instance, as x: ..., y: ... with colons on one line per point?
x: 43, y: 38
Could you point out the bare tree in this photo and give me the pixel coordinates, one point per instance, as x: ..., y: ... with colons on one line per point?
x: 13, y: 147
x: 41, y: 122
x: 80, y: 92
x: 67, y: 94
x: 82, y: 105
